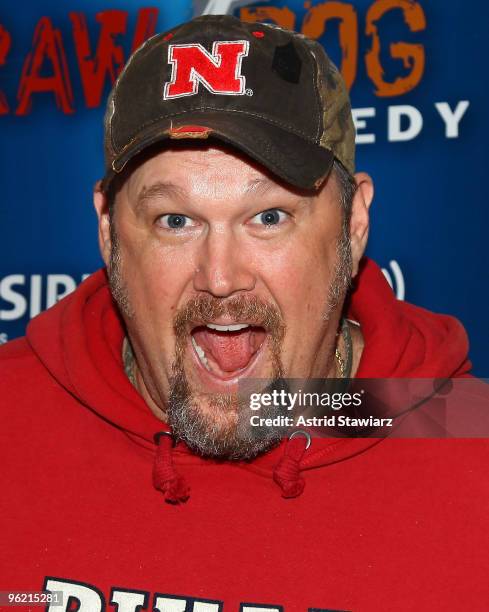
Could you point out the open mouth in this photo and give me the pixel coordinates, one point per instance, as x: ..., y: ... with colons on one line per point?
x: 226, y: 351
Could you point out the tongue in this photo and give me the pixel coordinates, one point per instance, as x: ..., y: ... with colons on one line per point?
x: 230, y: 350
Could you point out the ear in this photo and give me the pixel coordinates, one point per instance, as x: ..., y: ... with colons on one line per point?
x: 102, y: 209
x: 359, y: 222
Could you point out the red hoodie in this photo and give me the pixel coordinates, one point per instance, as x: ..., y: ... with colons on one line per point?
x: 380, y: 525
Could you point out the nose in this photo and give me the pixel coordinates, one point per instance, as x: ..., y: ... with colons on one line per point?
x: 223, y: 268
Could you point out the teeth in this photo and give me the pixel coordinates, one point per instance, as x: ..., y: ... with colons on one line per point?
x: 200, y: 353
x: 231, y: 328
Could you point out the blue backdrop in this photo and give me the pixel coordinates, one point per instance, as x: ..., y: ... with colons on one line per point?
x: 419, y: 87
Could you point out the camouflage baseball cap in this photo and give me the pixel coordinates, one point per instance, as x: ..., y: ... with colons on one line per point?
x: 272, y: 93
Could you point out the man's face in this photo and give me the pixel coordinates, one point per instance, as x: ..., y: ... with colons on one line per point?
x: 223, y: 273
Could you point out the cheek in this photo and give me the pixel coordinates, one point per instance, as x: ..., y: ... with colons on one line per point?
x: 298, y: 279
x: 155, y: 277
x: 299, y: 274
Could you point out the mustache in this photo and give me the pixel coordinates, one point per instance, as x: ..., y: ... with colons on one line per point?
x: 203, y: 309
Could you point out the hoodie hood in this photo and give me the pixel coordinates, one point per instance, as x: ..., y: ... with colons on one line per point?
x: 79, y: 341
x: 403, y: 340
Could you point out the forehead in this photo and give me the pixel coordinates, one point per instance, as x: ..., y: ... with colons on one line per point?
x: 213, y: 170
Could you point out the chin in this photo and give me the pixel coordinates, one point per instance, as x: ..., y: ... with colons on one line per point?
x: 220, y: 345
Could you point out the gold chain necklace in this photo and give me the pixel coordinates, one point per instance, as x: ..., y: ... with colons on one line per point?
x: 340, y: 362
x: 345, y: 366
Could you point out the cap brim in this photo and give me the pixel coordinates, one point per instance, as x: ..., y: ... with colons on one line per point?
x: 294, y: 159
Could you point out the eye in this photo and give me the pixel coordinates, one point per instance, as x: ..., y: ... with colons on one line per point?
x: 272, y: 216
x: 175, y: 221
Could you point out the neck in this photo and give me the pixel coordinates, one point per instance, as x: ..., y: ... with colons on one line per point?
x: 133, y: 372
x: 357, y: 347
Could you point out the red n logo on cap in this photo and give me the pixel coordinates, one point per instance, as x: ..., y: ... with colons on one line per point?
x: 219, y: 71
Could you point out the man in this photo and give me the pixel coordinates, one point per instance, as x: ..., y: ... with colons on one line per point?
x: 232, y: 226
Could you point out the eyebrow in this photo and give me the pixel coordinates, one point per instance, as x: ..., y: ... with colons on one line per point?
x: 158, y: 190
x: 259, y: 186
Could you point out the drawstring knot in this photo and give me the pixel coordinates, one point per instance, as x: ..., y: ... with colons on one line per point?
x: 287, y: 472
x: 165, y: 477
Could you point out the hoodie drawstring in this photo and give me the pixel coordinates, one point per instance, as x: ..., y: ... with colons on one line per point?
x: 287, y: 472
x: 165, y: 477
